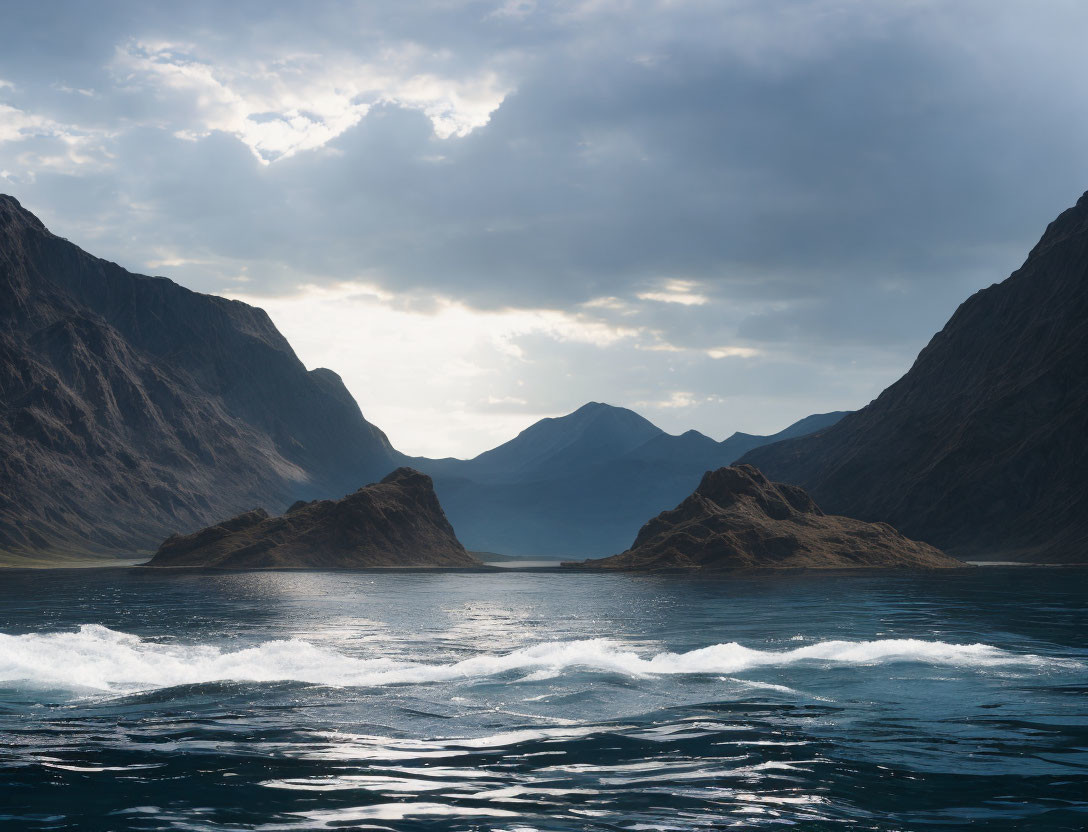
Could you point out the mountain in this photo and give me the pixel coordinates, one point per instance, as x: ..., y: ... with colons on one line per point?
x: 739, y: 444
x: 592, y: 434
x: 131, y: 407
x: 396, y: 522
x: 982, y: 447
x: 694, y: 449
x: 737, y: 518
x: 581, y: 484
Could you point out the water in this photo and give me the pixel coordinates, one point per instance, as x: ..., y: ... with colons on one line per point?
x: 138, y: 700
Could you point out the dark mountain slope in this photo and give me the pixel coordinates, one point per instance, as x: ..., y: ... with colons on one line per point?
x: 131, y: 407
x: 982, y: 447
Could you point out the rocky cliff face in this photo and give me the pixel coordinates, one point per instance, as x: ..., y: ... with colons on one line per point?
x: 131, y: 407
x: 397, y: 522
x: 982, y: 447
x: 737, y: 518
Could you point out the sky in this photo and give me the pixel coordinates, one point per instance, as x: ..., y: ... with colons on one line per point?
x: 723, y: 214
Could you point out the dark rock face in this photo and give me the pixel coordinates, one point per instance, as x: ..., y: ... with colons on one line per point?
x: 982, y: 447
x: 737, y: 518
x: 582, y: 484
x: 130, y: 406
x: 396, y: 522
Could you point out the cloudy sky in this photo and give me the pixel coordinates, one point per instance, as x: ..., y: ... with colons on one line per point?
x: 725, y: 215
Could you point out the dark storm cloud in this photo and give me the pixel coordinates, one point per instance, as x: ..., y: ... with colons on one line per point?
x: 828, y: 178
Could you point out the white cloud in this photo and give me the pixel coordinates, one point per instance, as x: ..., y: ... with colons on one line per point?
x: 302, y: 101
x: 676, y: 291
x: 86, y: 93
x: 516, y: 9
x: 51, y: 145
x: 677, y: 399
x: 16, y: 124
x: 733, y: 352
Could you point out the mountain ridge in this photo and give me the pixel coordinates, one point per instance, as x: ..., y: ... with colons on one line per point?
x: 979, y: 448
x: 132, y: 405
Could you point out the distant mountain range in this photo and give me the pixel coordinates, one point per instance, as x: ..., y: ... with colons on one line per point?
x: 131, y: 407
x: 582, y: 484
x: 982, y: 447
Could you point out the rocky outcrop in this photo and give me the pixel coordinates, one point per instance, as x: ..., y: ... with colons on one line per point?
x: 396, y: 522
x: 739, y: 519
x: 982, y: 447
x: 130, y: 406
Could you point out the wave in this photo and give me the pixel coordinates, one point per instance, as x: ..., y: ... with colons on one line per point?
x: 98, y: 658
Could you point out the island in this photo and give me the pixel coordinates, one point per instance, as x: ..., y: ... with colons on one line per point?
x: 738, y: 519
x: 397, y: 522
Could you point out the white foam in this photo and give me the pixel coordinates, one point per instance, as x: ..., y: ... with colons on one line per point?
x: 99, y: 658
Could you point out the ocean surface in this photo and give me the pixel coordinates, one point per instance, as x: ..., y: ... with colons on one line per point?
x: 133, y: 699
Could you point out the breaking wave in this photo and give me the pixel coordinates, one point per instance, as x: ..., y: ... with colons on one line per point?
x: 96, y: 657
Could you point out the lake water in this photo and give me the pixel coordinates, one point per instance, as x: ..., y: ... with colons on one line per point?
x: 139, y: 700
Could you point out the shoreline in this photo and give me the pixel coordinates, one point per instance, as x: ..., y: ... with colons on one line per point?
x: 565, y: 567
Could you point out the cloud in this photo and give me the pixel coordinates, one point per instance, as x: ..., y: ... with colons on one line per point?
x: 767, y: 207
x: 675, y: 291
x: 16, y: 125
x: 45, y: 145
x: 732, y: 352
x: 281, y: 106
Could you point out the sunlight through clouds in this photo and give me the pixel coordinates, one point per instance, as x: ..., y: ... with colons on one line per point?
x: 436, y: 375
x: 676, y: 291
x: 302, y: 101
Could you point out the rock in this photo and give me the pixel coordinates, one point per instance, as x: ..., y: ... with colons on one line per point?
x: 396, y: 522
x: 982, y: 447
x: 737, y: 518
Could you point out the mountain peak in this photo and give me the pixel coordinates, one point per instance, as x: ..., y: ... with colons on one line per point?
x: 406, y: 475
x: 592, y: 433
x: 14, y: 216
x: 1069, y: 225
x: 596, y: 409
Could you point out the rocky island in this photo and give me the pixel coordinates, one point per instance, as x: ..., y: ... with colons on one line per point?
x: 737, y: 518
x: 395, y: 522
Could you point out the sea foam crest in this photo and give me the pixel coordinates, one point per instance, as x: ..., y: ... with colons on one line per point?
x: 100, y: 658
